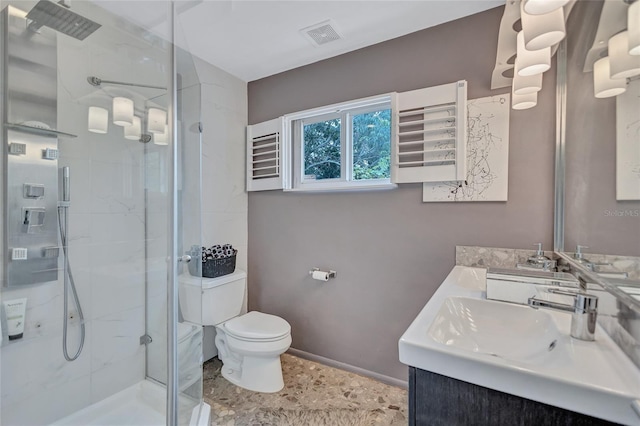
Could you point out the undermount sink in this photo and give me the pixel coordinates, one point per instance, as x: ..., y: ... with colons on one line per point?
x: 497, y: 329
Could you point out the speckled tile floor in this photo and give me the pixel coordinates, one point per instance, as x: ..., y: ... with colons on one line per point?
x: 313, y: 395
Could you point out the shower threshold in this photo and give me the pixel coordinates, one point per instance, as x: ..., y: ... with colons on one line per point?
x: 142, y: 404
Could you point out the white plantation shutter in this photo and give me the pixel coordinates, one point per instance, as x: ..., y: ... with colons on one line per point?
x: 266, y: 155
x: 429, y: 134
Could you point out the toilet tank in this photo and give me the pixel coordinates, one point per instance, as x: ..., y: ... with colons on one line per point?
x: 211, y: 301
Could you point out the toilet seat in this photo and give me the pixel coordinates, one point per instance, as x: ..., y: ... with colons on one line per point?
x: 257, y: 326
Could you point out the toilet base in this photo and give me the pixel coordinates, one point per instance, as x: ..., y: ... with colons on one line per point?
x: 257, y: 374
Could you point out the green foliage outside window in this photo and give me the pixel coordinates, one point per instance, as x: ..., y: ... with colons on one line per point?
x: 372, y: 145
x: 322, y: 149
x: 371, y: 135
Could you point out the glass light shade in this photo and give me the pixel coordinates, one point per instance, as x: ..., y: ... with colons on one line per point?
x: 122, y: 111
x: 524, y: 101
x: 98, y: 121
x: 542, y: 31
x: 134, y: 132
x: 633, y: 26
x: 540, y: 7
x: 603, y: 85
x: 623, y: 65
x: 162, y: 138
x: 531, y: 62
x: 523, y: 85
x: 157, y: 120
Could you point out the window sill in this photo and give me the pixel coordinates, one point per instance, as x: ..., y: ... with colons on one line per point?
x: 344, y: 187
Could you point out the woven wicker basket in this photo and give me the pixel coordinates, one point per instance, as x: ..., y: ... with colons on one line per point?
x: 214, y: 268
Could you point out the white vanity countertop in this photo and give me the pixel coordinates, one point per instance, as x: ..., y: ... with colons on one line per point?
x: 593, y: 378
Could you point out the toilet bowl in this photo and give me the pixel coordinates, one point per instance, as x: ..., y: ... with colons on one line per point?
x: 248, y: 345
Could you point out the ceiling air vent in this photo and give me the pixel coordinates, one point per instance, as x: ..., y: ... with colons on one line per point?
x: 321, y: 33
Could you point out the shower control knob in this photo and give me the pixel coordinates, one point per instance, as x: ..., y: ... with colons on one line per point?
x: 185, y: 259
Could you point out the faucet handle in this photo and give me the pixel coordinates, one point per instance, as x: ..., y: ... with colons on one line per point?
x: 583, y: 302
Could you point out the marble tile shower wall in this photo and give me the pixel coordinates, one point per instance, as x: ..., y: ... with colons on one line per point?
x: 224, y: 199
x: 107, y: 252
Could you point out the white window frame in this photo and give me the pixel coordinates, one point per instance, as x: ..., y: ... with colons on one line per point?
x: 294, y: 124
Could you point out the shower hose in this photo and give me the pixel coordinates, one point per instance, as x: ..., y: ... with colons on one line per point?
x: 63, y: 221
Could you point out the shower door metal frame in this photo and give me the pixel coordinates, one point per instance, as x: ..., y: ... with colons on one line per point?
x: 172, y: 285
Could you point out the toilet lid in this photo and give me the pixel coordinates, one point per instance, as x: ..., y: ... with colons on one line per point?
x: 256, y: 325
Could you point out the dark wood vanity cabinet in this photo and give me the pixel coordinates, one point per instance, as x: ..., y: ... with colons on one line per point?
x: 438, y: 400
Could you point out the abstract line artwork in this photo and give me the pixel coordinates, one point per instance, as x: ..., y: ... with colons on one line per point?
x: 487, y: 155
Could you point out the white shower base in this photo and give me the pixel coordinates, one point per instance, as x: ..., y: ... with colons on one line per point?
x: 142, y: 404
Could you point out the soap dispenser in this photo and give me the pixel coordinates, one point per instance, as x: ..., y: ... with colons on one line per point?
x: 539, y: 261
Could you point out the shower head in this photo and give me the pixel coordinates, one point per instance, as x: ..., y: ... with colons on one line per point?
x: 61, y: 19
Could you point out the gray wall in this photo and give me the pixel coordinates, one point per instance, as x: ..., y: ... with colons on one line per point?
x: 391, y: 251
x: 591, y: 153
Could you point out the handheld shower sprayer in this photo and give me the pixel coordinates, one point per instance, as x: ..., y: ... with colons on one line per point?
x: 68, y: 281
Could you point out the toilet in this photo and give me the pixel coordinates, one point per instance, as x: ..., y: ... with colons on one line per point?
x: 248, y: 345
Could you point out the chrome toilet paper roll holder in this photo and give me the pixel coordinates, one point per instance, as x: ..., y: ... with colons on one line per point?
x: 332, y: 274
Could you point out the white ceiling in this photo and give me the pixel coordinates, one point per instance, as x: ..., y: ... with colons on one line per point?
x: 259, y: 38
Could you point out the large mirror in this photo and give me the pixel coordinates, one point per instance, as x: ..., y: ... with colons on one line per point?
x: 602, y: 155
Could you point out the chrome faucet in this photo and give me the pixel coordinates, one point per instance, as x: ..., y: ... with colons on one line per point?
x: 584, y: 311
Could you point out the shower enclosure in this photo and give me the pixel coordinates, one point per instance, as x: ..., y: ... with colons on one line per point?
x: 100, y: 180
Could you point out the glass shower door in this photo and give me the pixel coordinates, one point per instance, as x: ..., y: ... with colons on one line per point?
x: 187, y: 166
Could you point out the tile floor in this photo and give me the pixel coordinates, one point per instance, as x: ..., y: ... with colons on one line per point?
x: 314, y: 395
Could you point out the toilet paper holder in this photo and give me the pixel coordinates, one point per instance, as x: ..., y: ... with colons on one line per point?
x: 330, y: 274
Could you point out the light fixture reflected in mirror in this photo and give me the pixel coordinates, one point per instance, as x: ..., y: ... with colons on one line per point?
x: 157, y: 120
x: 603, y: 85
x: 523, y: 85
x: 542, y: 31
x: 540, y: 7
x: 134, y: 132
x: 531, y: 62
x: 162, y: 138
x: 633, y: 26
x: 623, y: 65
x: 524, y: 101
x: 98, y: 120
x: 122, y: 111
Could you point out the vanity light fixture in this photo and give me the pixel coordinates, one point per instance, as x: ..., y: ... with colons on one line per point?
x: 623, y: 65
x: 523, y: 85
x: 531, y: 62
x: 122, y: 111
x: 633, y: 26
x: 603, y: 85
x: 524, y: 101
x: 98, y: 120
x: 134, y: 132
x: 540, y: 7
x: 542, y: 31
x: 157, y: 120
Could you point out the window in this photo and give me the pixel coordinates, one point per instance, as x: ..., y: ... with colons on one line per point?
x: 377, y: 142
x: 347, y: 146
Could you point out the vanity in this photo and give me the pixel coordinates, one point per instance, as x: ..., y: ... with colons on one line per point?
x: 476, y: 361
x: 479, y: 361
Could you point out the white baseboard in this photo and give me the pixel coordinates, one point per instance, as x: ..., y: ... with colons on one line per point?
x: 353, y: 369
